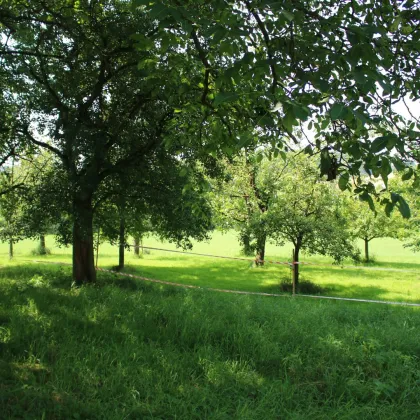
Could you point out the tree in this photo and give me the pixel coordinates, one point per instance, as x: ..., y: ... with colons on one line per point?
x: 77, y: 77
x: 409, y: 186
x: 11, y: 229
x: 42, y: 199
x: 308, y: 212
x: 368, y: 225
x: 98, y: 79
x: 243, y: 196
x: 143, y: 206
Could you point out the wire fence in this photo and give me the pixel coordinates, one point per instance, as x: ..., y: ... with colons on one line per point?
x: 237, y: 292
x: 257, y: 260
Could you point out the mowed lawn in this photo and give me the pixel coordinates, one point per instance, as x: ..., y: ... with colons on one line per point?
x: 394, y: 276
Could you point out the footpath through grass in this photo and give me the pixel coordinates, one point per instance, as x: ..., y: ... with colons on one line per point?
x: 128, y: 350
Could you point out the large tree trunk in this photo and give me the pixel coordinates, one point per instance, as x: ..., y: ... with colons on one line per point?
x: 137, y: 246
x: 42, y: 247
x: 261, y: 250
x: 366, y: 249
x: 83, y: 255
x: 10, y: 249
x: 121, y: 252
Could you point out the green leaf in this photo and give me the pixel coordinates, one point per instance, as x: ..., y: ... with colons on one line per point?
x: 404, y: 208
x: 343, y: 181
x: 399, y: 164
x: 224, y: 97
x: 143, y: 42
x: 388, y: 209
x: 158, y: 11
x: 289, y: 121
x: 379, y: 144
x: 288, y: 15
x: 336, y: 111
x: 394, y: 197
x: 395, y: 24
x: 325, y: 162
x: 408, y: 175
x: 366, y: 197
x: 301, y: 112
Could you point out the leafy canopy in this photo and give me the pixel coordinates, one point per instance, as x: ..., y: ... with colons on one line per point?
x: 267, y: 68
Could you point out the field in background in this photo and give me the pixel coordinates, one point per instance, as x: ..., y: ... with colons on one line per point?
x: 395, y: 275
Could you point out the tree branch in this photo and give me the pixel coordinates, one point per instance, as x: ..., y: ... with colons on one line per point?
x: 39, y: 143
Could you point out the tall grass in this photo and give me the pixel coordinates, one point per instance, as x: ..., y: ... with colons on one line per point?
x: 127, y: 350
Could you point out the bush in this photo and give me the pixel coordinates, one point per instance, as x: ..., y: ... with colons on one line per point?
x: 305, y: 286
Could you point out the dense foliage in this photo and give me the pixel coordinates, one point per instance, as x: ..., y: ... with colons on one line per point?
x: 111, y: 87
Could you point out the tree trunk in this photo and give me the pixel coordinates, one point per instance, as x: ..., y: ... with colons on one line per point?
x: 10, y: 249
x: 42, y: 247
x: 261, y: 250
x: 137, y: 246
x: 366, y: 249
x: 121, y: 254
x: 83, y: 255
x: 296, y: 268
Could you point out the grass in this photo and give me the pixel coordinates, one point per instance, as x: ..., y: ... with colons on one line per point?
x: 395, y: 275
x: 124, y: 349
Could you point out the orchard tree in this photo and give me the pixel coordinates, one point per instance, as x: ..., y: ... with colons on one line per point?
x: 409, y: 186
x: 41, y: 199
x: 368, y: 225
x: 168, y: 202
x: 11, y: 229
x: 79, y: 83
x: 308, y: 212
x: 242, y: 197
x: 110, y: 83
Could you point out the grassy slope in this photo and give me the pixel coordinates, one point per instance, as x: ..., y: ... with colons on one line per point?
x: 129, y: 350
x: 208, y: 272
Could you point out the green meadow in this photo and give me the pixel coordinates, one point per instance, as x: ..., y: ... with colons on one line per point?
x: 395, y: 275
x: 128, y: 349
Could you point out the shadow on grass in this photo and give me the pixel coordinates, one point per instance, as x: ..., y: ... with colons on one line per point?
x: 234, y: 276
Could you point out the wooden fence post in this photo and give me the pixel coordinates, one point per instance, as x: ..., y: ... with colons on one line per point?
x: 293, y: 273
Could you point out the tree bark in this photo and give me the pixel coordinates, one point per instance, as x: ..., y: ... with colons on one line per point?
x: 10, y: 249
x: 296, y: 266
x: 83, y: 255
x: 261, y: 250
x: 121, y: 253
x: 136, y: 246
x: 42, y: 247
x: 366, y: 249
